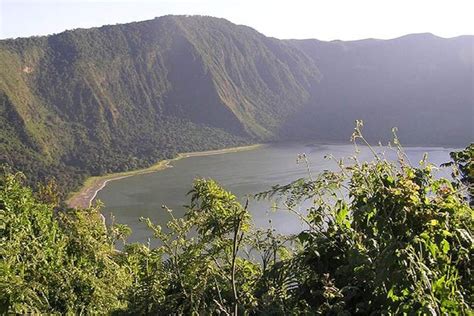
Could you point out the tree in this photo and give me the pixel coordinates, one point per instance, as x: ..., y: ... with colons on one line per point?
x: 463, y: 168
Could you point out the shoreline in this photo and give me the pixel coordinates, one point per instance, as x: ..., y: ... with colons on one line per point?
x: 87, y: 193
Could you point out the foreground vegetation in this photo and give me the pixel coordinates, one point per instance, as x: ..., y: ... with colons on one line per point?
x: 382, y: 238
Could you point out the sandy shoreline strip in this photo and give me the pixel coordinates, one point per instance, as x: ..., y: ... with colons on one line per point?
x: 84, y: 197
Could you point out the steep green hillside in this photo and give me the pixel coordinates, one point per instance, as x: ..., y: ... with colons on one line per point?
x: 120, y: 97
x: 92, y: 101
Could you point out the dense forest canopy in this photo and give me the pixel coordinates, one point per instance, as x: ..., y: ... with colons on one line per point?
x: 114, y: 98
x: 400, y: 241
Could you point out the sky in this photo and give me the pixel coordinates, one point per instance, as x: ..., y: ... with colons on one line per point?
x: 321, y: 19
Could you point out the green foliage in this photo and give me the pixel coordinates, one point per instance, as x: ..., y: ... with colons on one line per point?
x: 463, y: 163
x: 55, y: 262
x: 196, y: 269
x: 382, y: 238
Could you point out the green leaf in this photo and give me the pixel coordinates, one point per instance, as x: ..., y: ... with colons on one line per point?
x: 445, y: 246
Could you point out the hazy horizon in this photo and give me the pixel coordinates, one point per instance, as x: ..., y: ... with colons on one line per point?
x: 239, y: 24
x: 337, y: 20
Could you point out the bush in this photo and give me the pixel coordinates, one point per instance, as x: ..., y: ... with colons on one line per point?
x: 56, y: 262
x: 382, y: 238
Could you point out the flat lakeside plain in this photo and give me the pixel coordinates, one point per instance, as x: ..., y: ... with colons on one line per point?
x: 87, y: 193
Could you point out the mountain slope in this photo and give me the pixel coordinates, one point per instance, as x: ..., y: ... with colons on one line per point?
x: 120, y: 97
x: 91, y: 101
x: 420, y: 83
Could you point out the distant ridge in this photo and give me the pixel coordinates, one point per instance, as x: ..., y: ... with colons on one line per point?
x: 119, y: 97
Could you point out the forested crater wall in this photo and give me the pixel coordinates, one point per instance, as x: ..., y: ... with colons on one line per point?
x: 115, y: 98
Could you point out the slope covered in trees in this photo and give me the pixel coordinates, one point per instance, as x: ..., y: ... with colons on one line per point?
x: 420, y: 83
x: 121, y: 97
x: 92, y: 101
x: 399, y: 243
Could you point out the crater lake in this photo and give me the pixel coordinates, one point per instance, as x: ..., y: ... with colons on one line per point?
x: 244, y: 173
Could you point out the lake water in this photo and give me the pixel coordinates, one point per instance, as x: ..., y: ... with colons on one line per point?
x: 242, y: 173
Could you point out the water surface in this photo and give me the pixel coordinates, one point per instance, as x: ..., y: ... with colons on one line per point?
x: 243, y: 173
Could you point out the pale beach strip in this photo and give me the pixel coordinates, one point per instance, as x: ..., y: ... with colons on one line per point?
x: 88, y: 192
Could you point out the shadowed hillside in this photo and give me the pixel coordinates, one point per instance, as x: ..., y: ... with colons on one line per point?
x: 420, y: 83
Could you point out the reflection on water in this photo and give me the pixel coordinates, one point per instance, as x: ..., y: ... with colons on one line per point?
x: 243, y: 173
